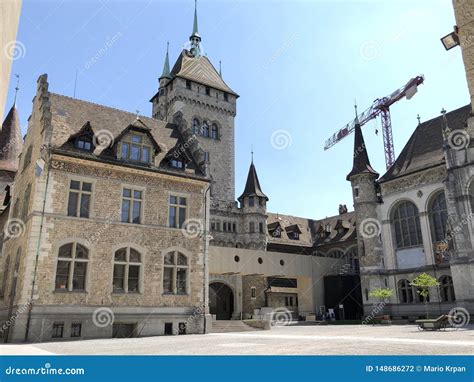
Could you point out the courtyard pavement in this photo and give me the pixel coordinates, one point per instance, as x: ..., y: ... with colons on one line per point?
x: 284, y: 340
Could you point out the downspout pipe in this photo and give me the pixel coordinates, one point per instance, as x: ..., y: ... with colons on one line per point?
x: 38, y: 246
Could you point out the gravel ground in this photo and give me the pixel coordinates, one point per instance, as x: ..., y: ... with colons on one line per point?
x: 288, y: 340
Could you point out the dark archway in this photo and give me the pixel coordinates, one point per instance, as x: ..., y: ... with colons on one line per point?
x: 221, y: 301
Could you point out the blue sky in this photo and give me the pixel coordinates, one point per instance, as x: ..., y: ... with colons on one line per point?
x: 297, y: 65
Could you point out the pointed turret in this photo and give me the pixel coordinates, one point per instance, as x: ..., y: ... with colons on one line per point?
x: 361, y: 163
x: 11, y: 142
x: 252, y: 187
x: 166, y: 66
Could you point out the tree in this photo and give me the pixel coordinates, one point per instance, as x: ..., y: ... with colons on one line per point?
x: 423, y: 283
x: 383, y: 294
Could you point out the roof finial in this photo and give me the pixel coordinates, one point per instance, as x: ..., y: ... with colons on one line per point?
x: 138, y: 114
x: 356, y: 114
x: 16, y: 88
x: 419, y: 119
x: 251, y: 152
x: 220, y: 68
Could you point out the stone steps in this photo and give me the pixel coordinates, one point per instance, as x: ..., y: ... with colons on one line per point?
x: 229, y: 326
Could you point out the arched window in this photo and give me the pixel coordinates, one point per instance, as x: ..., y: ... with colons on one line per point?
x: 175, y: 273
x: 6, y: 273
x: 446, y: 288
x: 405, y: 291
x: 438, y: 217
x: 71, y: 269
x: 353, y: 259
x: 196, y: 124
x: 214, y: 131
x: 406, y: 222
x: 205, y: 129
x: 127, y: 264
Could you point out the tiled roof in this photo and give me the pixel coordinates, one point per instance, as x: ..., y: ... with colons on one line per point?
x: 361, y: 163
x: 252, y: 186
x: 424, y: 149
x: 70, y: 115
x: 11, y: 142
x: 199, y: 69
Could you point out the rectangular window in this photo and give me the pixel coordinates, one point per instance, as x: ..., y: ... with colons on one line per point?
x: 226, y: 97
x: 119, y: 277
x: 208, y: 90
x: 251, y: 201
x: 131, y: 206
x: 168, y: 280
x: 253, y: 292
x: 181, y: 281
x: 79, y: 199
x: 182, y: 328
x: 58, y: 330
x: 188, y: 84
x: 252, y: 227
x: 76, y: 329
x: 260, y: 227
x: 177, y: 211
x: 234, y: 227
x: 168, y: 328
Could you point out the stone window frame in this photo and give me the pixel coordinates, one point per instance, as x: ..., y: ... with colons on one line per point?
x: 253, y: 293
x: 27, y: 158
x: 404, y: 222
x: 406, y: 293
x: 57, y: 330
x: 186, y: 207
x: 176, y: 251
x: 127, y: 263
x: 145, y: 143
x: 81, y: 179
x: 133, y: 188
x: 72, y: 240
x: 446, y: 289
x: 252, y: 227
x: 435, y: 216
x: 74, y: 332
x: 26, y: 202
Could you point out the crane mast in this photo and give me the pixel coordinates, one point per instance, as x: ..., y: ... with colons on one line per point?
x: 381, y: 106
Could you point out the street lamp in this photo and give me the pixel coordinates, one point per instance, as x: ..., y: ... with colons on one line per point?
x: 451, y: 40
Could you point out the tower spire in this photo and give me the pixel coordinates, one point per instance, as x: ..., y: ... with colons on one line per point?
x: 195, y: 38
x: 356, y: 120
x: 195, y: 24
x: 166, y: 65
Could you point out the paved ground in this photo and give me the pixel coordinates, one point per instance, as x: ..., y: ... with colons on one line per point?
x: 343, y: 339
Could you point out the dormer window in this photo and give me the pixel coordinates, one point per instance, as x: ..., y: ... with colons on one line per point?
x: 251, y: 201
x: 188, y: 84
x: 176, y: 163
x: 133, y: 148
x: 84, y: 143
x: 293, y: 235
x: 208, y: 90
x: 226, y: 97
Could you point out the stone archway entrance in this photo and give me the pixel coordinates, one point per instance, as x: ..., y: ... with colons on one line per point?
x: 221, y: 301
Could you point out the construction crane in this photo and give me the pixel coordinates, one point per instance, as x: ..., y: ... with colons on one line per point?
x: 381, y: 106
